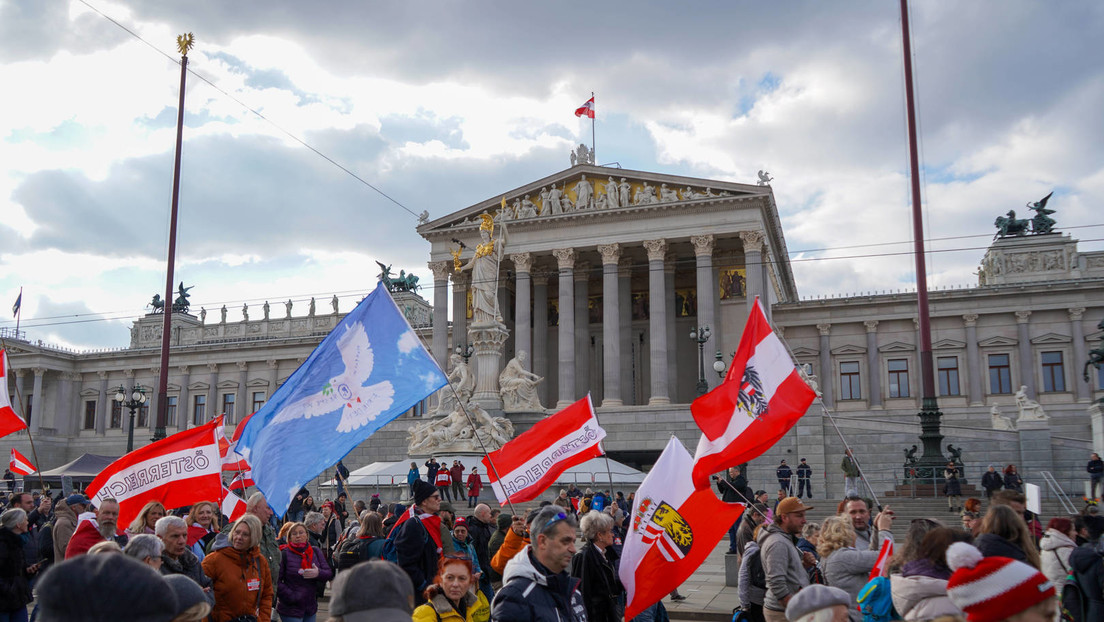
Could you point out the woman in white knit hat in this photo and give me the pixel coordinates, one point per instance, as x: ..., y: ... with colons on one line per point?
x: 998, y: 589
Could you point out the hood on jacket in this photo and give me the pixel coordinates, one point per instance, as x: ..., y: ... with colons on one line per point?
x: 61, y: 508
x: 750, y: 547
x: 922, y: 593
x: 1054, y: 539
x: 769, y: 530
x: 521, y: 566
x: 1083, y: 558
x: 992, y: 545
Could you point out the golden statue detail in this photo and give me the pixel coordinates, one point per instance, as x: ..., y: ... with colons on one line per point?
x: 456, y: 263
x: 184, y: 43
x: 486, y: 248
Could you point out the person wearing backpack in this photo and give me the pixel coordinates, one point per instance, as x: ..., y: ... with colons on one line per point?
x: 1087, y: 573
x: 752, y: 584
x: 845, y: 566
x: 919, y: 592
x: 417, y: 541
x: 367, y: 544
x: 784, y: 564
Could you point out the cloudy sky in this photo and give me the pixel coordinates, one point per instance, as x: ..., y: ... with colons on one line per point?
x: 442, y: 104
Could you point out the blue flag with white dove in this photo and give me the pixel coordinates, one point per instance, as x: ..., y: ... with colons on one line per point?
x: 369, y: 370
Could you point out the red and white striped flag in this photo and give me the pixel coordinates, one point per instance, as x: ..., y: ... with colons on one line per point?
x: 20, y: 464
x: 526, y: 466
x: 9, y: 421
x: 231, y: 460
x: 405, y: 516
x: 233, y: 506
x: 881, y: 566
x: 180, y: 470
x: 587, y: 109
x: 242, y: 481
x: 762, y: 397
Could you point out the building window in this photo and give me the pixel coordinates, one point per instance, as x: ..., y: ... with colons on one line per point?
x: 258, y: 400
x: 90, y: 414
x: 29, y: 403
x: 228, y: 406
x: 1054, y: 374
x: 948, y: 375
x: 898, y: 378
x: 170, y: 411
x: 143, y: 414
x: 849, y: 381
x: 116, y: 414
x: 199, y: 410
x: 1000, y: 374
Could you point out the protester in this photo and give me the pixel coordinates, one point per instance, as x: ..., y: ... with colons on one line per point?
x: 443, y: 481
x: 804, y: 480
x: 810, y: 537
x: 394, y: 512
x: 451, y: 596
x: 15, y: 570
x: 177, y: 558
x: 784, y: 474
x: 845, y: 566
x: 749, y: 591
x: 104, y: 588
x: 810, y: 604
x: 325, y: 528
x: 367, y: 543
x: 418, y: 541
x: 96, y: 527
x: 990, y: 589
x: 991, y: 481
x: 1004, y: 534
x: 1087, y: 566
x: 146, y: 519
x: 1056, y: 545
x: 850, y: 470
x: 732, y: 490
x: 296, y: 511
x: 257, y: 506
x: 146, y: 548
x: 308, y: 506
x: 952, y: 488
x: 239, y: 573
x: 755, y: 515
x: 202, y: 528
x: 412, y: 476
x: 595, y: 565
x: 784, y: 565
x: 502, y: 525
x: 191, y: 602
x: 475, y: 486
x: 515, y: 540
x: 339, y: 510
x: 1095, y: 470
x: 480, y: 528
x: 66, y: 512
x: 919, y: 591
x: 1012, y: 479
x: 917, y: 529
x: 456, y: 475
x: 536, y: 586
x: 107, y: 546
x: 462, y: 545
x: 866, y: 537
x: 303, y: 568
x: 375, y: 591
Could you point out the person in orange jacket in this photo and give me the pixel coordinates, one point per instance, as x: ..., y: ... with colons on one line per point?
x: 516, y: 538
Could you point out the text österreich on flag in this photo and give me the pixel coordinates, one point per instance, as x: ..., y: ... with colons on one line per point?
x: 177, y: 471
x: 672, y: 529
x: 9, y: 421
x: 526, y: 466
x: 20, y: 464
x: 587, y: 109
x: 761, y: 398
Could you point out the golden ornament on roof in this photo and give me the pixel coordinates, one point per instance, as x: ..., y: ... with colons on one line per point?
x: 185, y: 42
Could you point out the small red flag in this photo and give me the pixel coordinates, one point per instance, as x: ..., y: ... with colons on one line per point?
x: 9, y: 421
x: 586, y: 110
x: 20, y: 464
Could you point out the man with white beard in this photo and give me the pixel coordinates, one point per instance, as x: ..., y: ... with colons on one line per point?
x: 95, y: 527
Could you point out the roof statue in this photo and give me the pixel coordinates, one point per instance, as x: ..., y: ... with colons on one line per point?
x: 1042, y: 222
x: 180, y: 305
x: 764, y: 178
x: 1096, y: 356
x: 1008, y: 225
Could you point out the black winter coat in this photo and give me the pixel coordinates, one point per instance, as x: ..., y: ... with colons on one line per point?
x: 992, y: 481
x: 599, y: 583
x: 992, y: 545
x: 480, y: 540
x: 532, y: 593
x: 417, y: 553
x: 15, y: 591
x: 1088, y: 566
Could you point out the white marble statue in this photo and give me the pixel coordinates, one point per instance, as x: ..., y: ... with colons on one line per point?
x: 333, y: 303
x: 611, y: 194
x: 266, y: 308
x: 423, y: 218
x: 624, y: 190
x: 223, y: 312
x: 528, y: 209
x: 554, y: 205
x: 584, y: 194
x: 484, y: 269
x: 645, y: 195
x: 764, y: 178
x: 287, y: 307
x: 1000, y: 422
x: 455, y: 433
x: 517, y: 386
x: 245, y: 312
x: 202, y: 315
x: 461, y: 379
x: 1030, y: 410
x: 667, y: 195
x: 544, y: 199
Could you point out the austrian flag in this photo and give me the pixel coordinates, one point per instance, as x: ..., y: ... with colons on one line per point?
x: 762, y: 397
x: 587, y: 109
x: 9, y: 421
x: 20, y: 464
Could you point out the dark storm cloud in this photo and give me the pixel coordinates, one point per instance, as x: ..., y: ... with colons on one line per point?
x: 35, y: 30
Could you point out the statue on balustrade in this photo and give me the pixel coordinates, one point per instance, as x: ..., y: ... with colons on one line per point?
x: 517, y: 386
x: 1030, y: 410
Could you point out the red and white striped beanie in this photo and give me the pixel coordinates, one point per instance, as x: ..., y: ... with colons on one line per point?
x: 989, y: 589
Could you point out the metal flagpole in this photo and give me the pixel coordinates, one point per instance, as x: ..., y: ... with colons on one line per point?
x: 593, y: 145
x: 19, y: 398
x: 475, y: 432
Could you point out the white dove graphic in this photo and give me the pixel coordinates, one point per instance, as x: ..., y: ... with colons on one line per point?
x: 359, y: 404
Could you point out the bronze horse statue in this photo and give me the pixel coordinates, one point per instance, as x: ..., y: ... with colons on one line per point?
x: 1010, y: 225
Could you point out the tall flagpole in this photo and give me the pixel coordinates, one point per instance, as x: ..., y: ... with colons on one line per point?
x: 593, y: 115
x: 183, y: 43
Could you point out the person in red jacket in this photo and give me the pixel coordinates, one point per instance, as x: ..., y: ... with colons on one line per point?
x: 457, y: 474
x: 475, y: 486
x: 443, y: 483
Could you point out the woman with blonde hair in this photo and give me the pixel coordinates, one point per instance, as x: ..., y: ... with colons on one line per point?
x: 845, y: 566
x: 1005, y: 534
x: 147, y: 518
x: 239, y: 574
x: 202, y: 526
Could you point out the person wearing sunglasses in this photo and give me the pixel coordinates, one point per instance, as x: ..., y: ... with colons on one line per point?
x: 536, y: 585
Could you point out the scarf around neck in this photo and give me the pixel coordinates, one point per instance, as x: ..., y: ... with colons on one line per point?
x: 305, y: 552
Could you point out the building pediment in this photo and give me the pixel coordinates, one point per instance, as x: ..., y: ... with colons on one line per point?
x: 997, y: 342
x: 257, y: 382
x: 802, y: 351
x: 897, y: 346
x: 90, y: 393
x: 948, y: 344
x: 849, y: 349
x: 588, y: 190
x: 228, y: 384
x: 198, y: 386
x: 1050, y: 338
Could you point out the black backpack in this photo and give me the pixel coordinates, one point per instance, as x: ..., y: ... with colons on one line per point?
x: 355, y: 551
x: 756, y: 574
x: 1074, y: 601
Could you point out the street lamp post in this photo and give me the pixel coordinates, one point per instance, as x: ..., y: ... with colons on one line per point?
x: 701, y: 335
x: 135, y: 401
x: 719, y: 365
x: 465, y: 351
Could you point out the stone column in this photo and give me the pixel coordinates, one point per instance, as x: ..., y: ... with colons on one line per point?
x: 565, y: 260
x: 624, y: 302
x: 1027, y: 363
x: 657, y: 322
x: 672, y: 337
x: 37, y: 411
x: 241, y: 408
x: 182, y: 401
x: 703, y: 255
x: 611, y: 326
x: 523, y: 329
x: 827, y: 374
x: 874, y: 380
x: 74, y: 408
x: 973, y: 361
x: 102, y: 404
x: 753, y: 263
x: 212, y: 393
x: 441, y: 270
x: 151, y: 398
x: 460, y: 309
x: 540, y: 332
x: 1080, y: 387
x: 582, y: 329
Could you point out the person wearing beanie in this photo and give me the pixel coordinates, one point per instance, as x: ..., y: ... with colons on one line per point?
x: 373, y: 591
x: 418, y: 541
x: 502, y: 525
x: 191, y: 602
x: 998, y: 589
x: 104, y: 588
x: 808, y: 605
